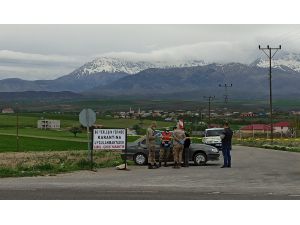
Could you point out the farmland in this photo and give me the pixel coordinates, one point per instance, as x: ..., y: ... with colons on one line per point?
x: 34, y: 139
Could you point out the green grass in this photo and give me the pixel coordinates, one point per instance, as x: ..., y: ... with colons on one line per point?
x: 58, y: 163
x: 45, y: 133
x: 132, y: 138
x: 30, y: 120
x: 8, y: 144
x: 28, y: 127
x: 291, y: 145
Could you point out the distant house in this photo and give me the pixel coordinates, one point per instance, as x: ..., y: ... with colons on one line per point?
x: 48, y: 124
x: 248, y: 114
x: 258, y: 128
x: 8, y: 110
x: 156, y: 114
x: 281, y: 127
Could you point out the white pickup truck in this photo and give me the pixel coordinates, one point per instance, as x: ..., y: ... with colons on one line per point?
x: 212, y: 137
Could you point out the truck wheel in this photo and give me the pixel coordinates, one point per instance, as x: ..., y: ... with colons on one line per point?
x: 200, y: 159
x: 140, y: 159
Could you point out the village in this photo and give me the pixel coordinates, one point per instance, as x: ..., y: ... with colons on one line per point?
x: 245, y: 124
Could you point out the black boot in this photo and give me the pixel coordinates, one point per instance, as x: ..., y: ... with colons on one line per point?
x: 155, y: 166
x: 175, y: 165
x: 165, y: 165
x: 150, y: 166
x: 159, y: 164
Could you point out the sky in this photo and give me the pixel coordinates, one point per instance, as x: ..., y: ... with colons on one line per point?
x: 49, y: 51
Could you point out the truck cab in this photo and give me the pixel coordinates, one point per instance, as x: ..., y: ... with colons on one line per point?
x: 212, y: 137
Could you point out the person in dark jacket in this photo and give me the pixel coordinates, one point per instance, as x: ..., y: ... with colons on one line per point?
x: 226, y: 137
x: 186, y: 149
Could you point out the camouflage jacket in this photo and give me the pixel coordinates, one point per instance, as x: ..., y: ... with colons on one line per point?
x: 150, y: 137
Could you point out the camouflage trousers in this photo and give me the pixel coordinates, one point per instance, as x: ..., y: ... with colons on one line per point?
x: 163, y: 154
x: 151, y: 155
x: 177, y: 152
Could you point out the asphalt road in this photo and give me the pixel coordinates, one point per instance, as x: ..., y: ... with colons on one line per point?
x: 256, y: 174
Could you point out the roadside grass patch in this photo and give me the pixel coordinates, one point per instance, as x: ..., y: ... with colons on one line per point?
x: 290, y: 145
x: 51, y: 163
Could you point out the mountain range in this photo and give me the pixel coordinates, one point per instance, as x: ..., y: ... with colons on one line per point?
x: 191, y: 79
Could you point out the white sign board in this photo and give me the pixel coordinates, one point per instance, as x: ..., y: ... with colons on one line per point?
x: 109, y: 139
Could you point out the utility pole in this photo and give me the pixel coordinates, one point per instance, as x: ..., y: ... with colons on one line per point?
x: 17, y: 125
x: 269, y: 53
x: 226, y: 86
x: 209, y: 99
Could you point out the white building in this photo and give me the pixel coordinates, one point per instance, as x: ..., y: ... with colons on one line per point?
x: 48, y: 124
x: 8, y: 110
x: 281, y: 127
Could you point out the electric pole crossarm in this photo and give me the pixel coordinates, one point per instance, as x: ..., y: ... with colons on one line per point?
x: 274, y: 53
x: 265, y: 53
x: 226, y: 86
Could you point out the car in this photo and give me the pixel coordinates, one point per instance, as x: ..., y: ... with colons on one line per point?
x: 200, y: 154
x: 212, y: 137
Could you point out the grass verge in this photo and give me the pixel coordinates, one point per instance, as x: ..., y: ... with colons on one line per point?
x: 51, y: 163
x: 281, y: 145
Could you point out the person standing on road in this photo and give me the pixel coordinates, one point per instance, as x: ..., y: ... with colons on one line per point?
x: 186, y: 150
x: 178, y: 144
x: 226, y: 137
x: 150, y: 141
x: 165, y: 146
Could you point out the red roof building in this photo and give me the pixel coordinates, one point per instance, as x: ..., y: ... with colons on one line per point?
x: 256, y: 127
x: 281, y: 127
x: 281, y: 124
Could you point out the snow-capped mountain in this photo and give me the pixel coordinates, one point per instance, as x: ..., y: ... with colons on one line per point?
x: 119, y: 65
x: 283, y: 61
x: 112, y: 65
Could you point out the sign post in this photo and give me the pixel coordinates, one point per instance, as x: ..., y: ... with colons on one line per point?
x: 110, y: 139
x: 87, y: 118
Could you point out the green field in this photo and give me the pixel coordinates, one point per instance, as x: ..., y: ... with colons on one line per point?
x: 69, y: 120
x: 8, y: 144
x: 33, y: 139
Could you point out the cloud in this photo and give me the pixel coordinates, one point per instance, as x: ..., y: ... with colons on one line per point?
x: 37, y: 66
x: 244, y: 50
x: 215, y: 51
x: 38, y: 58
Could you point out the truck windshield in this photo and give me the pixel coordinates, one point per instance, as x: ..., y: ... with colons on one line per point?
x: 211, y: 133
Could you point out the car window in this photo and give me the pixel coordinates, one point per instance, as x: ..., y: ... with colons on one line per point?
x: 211, y: 133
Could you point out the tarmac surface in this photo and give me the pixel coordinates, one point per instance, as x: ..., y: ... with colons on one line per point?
x: 255, y: 174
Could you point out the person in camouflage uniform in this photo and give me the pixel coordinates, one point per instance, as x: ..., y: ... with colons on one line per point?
x: 150, y: 141
x: 178, y: 143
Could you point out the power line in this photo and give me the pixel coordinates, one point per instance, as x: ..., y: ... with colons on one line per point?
x: 209, y: 99
x: 270, y: 54
x: 225, y: 86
